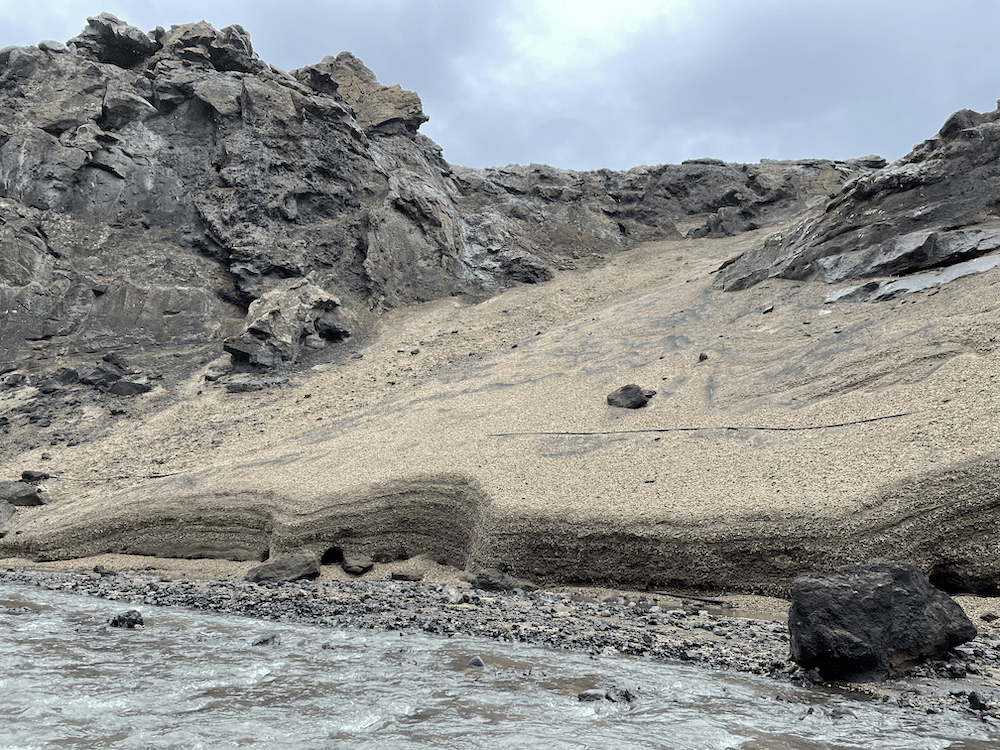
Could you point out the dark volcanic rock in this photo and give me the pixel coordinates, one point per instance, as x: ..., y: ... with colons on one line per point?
x: 933, y: 208
x: 378, y: 109
x: 613, y: 694
x: 284, y: 569
x: 244, y: 384
x: 407, y: 576
x: 872, y: 620
x: 129, y: 387
x: 130, y: 619
x: 630, y: 396
x: 281, y: 321
x: 21, y: 493
x: 103, y: 375
x: 492, y: 579
x: 356, y: 565
x: 112, y: 41
x: 153, y: 186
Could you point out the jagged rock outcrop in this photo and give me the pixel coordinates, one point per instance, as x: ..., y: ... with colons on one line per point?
x: 378, y: 109
x: 934, y: 208
x: 153, y: 186
x: 299, y: 313
x: 643, y: 203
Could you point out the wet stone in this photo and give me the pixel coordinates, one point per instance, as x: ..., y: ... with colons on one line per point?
x: 130, y: 619
x: 268, y: 639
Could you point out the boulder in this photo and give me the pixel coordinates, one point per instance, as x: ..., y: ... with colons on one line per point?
x: 244, y: 384
x: 103, y: 375
x: 130, y: 619
x: 282, y: 320
x: 630, y: 396
x: 614, y: 694
x: 492, y: 579
x: 356, y: 565
x: 14, y: 380
x: 129, y: 387
x: 21, y: 493
x: 285, y: 569
x: 872, y: 621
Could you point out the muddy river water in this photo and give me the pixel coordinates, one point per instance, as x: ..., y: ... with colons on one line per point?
x: 192, y: 679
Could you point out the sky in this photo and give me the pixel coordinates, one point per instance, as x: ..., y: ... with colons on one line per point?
x: 588, y: 84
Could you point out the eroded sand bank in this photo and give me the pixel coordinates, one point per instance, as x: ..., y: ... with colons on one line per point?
x: 443, y: 439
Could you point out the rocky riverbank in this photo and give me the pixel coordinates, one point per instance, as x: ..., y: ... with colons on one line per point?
x: 651, y: 626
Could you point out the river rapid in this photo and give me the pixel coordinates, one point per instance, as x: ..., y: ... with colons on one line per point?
x: 193, y: 679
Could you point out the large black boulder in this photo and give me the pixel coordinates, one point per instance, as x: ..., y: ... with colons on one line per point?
x: 872, y: 621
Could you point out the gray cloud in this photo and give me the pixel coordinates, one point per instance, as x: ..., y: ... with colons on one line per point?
x: 735, y: 80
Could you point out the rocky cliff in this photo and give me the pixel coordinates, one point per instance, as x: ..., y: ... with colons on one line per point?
x: 936, y: 208
x: 154, y: 186
x: 434, y: 345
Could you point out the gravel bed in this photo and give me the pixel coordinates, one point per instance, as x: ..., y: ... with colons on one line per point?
x: 967, y: 681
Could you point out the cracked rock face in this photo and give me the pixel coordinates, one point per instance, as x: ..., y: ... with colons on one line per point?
x: 933, y: 209
x: 283, y: 320
x: 153, y: 186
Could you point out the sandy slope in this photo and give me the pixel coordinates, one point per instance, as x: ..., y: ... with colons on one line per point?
x: 400, y: 453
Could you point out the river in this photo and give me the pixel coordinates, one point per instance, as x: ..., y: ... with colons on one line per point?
x: 192, y: 679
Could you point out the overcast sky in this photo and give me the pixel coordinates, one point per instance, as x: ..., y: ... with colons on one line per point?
x: 583, y: 84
